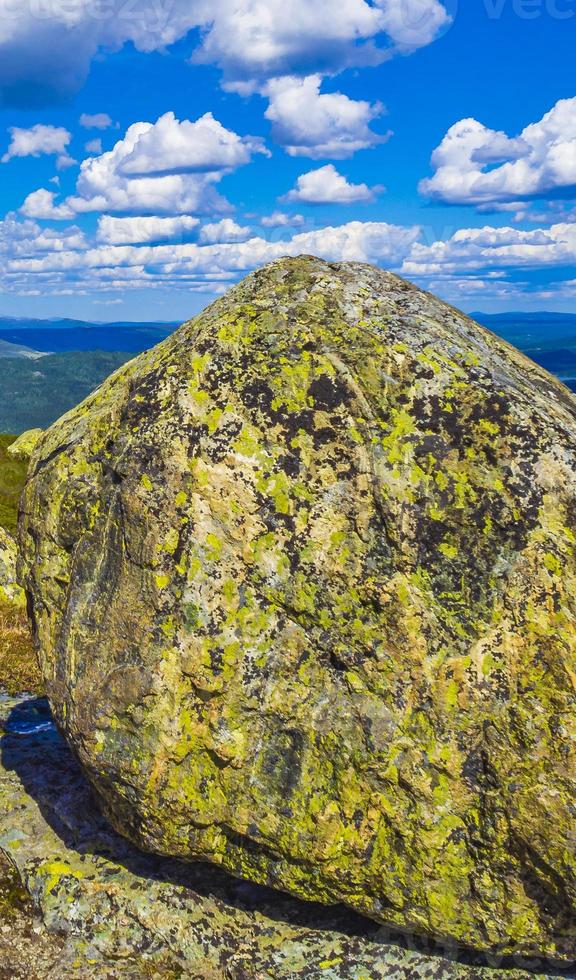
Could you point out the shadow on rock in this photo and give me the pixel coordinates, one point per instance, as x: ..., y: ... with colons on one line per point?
x: 34, y: 749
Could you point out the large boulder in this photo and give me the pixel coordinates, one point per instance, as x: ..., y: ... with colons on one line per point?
x: 303, y: 584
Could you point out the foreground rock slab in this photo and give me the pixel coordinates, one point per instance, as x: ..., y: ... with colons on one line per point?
x: 304, y: 584
x: 122, y: 913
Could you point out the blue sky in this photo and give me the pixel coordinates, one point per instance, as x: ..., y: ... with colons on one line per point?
x: 155, y: 151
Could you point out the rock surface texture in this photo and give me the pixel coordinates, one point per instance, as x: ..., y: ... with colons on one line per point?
x: 303, y: 582
x: 117, y: 912
x: 10, y: 591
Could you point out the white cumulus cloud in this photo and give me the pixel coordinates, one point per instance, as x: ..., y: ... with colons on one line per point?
x: 99, y: 120
x: 256, y: 39
x: 48, y: 55
x: 41, y: 204
x: 180, y: 264
x: 309, y: 123
x: 94, y: 146
x: 163, y: 168
x: 413, y: 24
x: 225, y: 230
x: 23, y: 238
x: 327, y: 186
x: 477, y: 165
x: 279, y: 219
x: 129, y: 231
x: 173, y: 147
x: 473, y: 249
x: 39, y: 140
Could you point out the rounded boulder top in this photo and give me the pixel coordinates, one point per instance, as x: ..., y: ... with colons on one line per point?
x: 23, y: 447
x: 303, y: 586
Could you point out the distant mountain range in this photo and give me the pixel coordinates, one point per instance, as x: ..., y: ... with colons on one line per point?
x: 524, y: 317
x: 547, y: 338
x: 68, y: 323
x: 57, y: 336
x: 524, y: 329
x: 48, y: 366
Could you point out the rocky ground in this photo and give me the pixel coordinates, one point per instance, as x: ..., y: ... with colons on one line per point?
x: 27, y: 950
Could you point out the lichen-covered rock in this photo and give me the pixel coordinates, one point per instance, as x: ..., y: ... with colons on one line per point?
x: 10, y: 591
x: 303, y: 581
x: 23, y: 447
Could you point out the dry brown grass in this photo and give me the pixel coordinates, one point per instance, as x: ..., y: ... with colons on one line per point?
x: 19, y: 669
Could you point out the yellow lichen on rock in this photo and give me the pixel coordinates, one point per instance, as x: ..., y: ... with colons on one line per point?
x: 10, y: 591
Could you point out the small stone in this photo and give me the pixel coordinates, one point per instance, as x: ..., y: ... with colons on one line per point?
x: 23, y: 447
